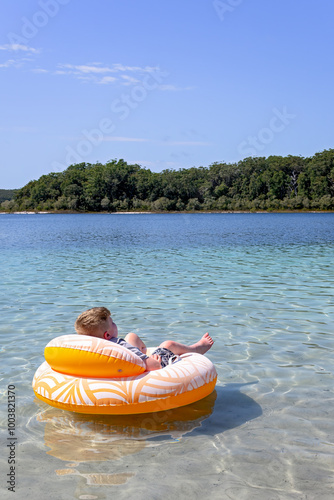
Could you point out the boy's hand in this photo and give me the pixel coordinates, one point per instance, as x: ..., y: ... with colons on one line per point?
x: 153, y: 363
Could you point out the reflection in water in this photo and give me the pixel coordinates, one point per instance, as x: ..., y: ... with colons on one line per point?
x: 97, y: 479
x: 79, y: 439
x: 90, y: 438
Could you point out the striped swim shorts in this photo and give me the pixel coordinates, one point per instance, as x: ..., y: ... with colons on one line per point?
x: 167, y: 357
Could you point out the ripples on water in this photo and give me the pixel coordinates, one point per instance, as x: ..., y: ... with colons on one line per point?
x: 261, y: 284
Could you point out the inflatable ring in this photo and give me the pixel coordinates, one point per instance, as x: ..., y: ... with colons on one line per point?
x: 90, y: 375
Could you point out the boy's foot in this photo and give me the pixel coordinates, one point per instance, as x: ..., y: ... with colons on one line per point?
x: 203, y: 345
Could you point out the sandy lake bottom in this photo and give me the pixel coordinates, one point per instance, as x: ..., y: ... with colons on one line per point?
x: 260, y: 284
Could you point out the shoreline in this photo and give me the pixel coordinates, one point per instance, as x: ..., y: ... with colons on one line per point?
x: 69, y: 212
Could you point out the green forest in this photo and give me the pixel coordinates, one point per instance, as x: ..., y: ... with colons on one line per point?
x: 6, y: 194
x: 253, y: 184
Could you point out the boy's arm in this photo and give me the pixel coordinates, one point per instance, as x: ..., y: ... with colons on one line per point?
x: 153, y: 363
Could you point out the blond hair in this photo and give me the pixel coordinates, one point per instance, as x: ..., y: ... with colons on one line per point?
x: 92, y: 321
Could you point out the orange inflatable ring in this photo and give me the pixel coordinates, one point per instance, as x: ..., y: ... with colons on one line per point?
x: 90, y: 375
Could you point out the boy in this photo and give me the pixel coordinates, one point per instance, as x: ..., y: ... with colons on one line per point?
x: 97, y: 322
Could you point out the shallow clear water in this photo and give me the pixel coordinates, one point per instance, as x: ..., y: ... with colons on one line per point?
x: 261, y: 284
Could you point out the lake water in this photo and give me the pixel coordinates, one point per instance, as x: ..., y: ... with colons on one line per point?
x: 260, y: 284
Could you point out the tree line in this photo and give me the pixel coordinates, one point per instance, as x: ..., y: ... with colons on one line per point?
x: 6, y: 194
x: 255, y: 183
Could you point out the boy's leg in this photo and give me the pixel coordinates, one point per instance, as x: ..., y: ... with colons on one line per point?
x: 133, y: 339
x: 201, y: 347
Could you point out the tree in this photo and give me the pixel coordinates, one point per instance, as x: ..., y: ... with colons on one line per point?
x: 193, y: 204
x: 259, y: 183
x: 8, y: 205
x: 105, y: 203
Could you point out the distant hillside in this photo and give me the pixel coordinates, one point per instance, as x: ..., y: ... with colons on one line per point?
x: 252, y: 184
x: 7, y: 194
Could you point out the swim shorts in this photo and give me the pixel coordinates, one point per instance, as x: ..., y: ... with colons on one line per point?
x: 167, y: 357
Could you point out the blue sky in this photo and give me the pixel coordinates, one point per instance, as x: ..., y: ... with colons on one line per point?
x: 166, y: 84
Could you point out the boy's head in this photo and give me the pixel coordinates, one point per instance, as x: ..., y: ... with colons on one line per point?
x: 96, y: 322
